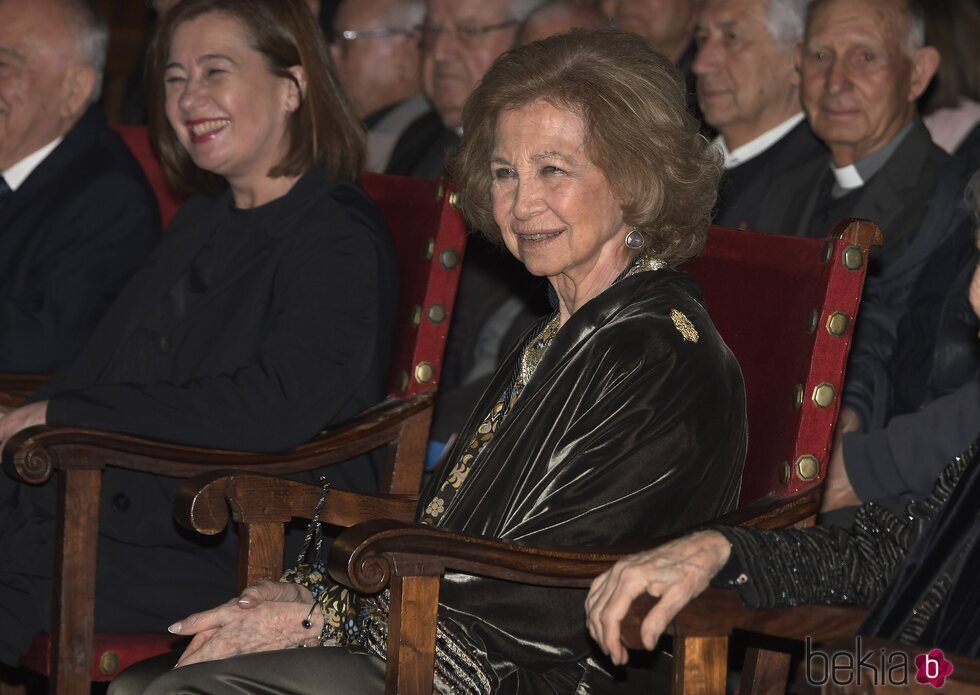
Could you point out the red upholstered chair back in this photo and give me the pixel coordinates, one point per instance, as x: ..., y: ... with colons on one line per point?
x: 785, y: 306
x: 137, y: 139
x: 430, y: 238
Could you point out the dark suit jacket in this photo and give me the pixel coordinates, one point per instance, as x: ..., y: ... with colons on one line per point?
x: 895, y: 197
x: 295, y: 338
x: 421, y: 149
x: 742, y: 193
x: 70, y: 237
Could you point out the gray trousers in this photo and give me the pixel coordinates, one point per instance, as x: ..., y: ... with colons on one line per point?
x: 314, y: 671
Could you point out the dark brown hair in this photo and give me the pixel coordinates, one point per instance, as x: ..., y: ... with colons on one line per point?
x: 323, y: 130
x: 638, y: 132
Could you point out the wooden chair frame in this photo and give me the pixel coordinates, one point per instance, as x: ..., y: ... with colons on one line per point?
x: 382, y: 548
x: 79, y: 456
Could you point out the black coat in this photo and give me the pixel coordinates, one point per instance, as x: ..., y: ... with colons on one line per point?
x: 742, y: 192
x: 70, y: 237
x: 296, y: 337
x: 626, y: 431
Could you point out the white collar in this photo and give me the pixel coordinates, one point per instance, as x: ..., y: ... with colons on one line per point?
x: 847, y: 177
x: 18, y: 173
x: 756, y: 146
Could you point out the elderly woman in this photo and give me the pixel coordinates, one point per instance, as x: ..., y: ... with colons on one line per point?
x: 917, y: 570
x: 263, y: 315
x: 619, y: 416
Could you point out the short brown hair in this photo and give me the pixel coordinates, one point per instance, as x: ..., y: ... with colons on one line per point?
x: 952, y: 27
x: 638, y: 132
x: 323, y: 130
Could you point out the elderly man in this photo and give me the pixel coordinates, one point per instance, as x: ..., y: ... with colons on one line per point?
x: 559, y: 16
x: 748, y: 90
x: 862, y: 66
x: 76, y: 214
x: 460, y: 41
x: 374, y: 45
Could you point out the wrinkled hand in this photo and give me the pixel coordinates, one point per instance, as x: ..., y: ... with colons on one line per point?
x: 837, y: 490
x: 19, y: 418
x: 676, y: 573
x: 266, y: 617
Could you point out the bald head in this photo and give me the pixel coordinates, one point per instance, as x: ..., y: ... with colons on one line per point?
x: 54, y: 55
x: 559, y: 16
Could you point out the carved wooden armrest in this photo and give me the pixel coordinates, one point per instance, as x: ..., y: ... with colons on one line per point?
x: 718, y: 612
x: 206, y: 502
x: 33, y: 453
x: 366, y: 556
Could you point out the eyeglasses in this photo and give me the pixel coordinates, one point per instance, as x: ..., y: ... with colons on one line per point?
x: 469, y: 36
x: 385, y: 33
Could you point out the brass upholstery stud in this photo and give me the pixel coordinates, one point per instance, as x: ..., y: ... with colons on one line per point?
x: 853, y: 257
x: 416, y: 315
x: 807, y: 467
x: 437, y: 313
x: 449, y: 259
x: 109, y: 663
x: 430, y: 248
x: 785, y: 471
x: 798, y: 396
x: 440, y: 191
x: 814, y: 319
x: 424, y: 373
x: 823, y: 395
x: 454, y: 200
x: 838, y: 323
x: 403, y: 381
x: 828, y: 251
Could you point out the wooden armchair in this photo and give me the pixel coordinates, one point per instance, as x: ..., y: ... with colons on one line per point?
x: 784, y: 305
x: 429, y: 237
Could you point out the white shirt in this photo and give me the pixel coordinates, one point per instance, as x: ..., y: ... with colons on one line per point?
x: 755, y: 147
x: 18, y: 173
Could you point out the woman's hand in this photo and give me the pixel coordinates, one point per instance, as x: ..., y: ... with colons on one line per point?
x: 675, y: 572
x: 266, y: 617
x: 25, y: 416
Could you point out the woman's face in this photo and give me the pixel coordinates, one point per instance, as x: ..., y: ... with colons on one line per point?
x: 228, y: 111
x: 555, y: 209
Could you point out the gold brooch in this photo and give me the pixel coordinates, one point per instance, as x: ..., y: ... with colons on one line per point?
x: 684, y: 326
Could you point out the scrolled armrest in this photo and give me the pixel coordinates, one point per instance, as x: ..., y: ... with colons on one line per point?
x: 366, y: 556
x: 206, y: 502
x: 33, y: 453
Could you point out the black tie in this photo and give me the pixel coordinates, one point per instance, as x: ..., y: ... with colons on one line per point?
x: 5, y: 191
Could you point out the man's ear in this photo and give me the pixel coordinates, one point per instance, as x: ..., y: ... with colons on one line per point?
x: 798, y: 62
x: 296, y: 88
x: 77, y: 88
x: 925, y: 62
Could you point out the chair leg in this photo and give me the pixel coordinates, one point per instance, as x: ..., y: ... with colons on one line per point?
x: 765, y: 673
x: 700, y: 665
x: 73, y: 613
x: 412, y: 635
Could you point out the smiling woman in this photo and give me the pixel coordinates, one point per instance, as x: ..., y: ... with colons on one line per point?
x: 264, y: 315
x: 618, y: 418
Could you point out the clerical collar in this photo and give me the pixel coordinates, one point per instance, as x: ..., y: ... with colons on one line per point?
x: 756, y: 146
x: 18, y: 173
x: 847, y: 178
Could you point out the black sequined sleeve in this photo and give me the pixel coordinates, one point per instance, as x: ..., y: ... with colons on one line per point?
x: 829, y: 565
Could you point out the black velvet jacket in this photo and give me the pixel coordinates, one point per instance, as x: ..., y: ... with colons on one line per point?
x: 626, y: 431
